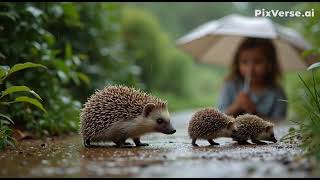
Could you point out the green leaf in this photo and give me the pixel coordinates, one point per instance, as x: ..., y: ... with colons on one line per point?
x: 2, y: 56
x: 84, y: 78
x: 313, y: 66
x: 34, y: 11
x: 61, y: 65
x: 21, y: 66
x: 31, y: 101
x: 71, y: 14
x: 4, y: 71
x: 6, y: 117
x: 68, y: 51
x: 14, y: 89
x: 8, y: 15
x: 75, y: 78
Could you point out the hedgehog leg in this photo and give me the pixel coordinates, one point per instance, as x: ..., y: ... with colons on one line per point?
x: 194, y: 142
x: 212, y: 142
x: 122, y: 144
x: 137, y: 141
x: 86, y: 143
x: 243, y: 142
x: 258, y: 142
x: 126, y: 143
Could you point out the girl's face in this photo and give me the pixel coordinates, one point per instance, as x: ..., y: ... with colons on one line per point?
x: 252, y: 61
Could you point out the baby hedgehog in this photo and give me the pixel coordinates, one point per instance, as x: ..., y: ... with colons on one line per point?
x: 254, y: 128
x: 210, y: 123
x: 117, y: 113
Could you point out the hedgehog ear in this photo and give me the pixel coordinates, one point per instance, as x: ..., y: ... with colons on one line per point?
x: 148, y: 108
x: 230, y: 124
x: 268, y: 128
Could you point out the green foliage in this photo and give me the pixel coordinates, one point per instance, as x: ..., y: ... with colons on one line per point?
x: 178, y: 18
x: 305, y: 94
x: 13, y: 89
x: 308, y: 106
x: 93, y: 30
x: 76, y: 42
x: 5, y: 121
x: 5, y: 136
x: 150, y: 49
x: 36, y: 43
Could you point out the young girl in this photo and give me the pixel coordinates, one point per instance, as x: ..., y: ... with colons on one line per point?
x: 255, y: 62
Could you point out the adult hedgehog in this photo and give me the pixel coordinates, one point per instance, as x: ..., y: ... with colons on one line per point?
x: 117, y: 113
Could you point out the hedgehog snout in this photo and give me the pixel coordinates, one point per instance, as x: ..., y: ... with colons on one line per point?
x: 173, y: 131
x: 273, y: 139
x: 167, y: 129
x: 170, y: 130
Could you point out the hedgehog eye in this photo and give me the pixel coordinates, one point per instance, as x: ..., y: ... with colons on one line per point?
x: 160, y: 120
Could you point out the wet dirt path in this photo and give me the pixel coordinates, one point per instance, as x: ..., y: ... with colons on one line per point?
x: 166, y: 156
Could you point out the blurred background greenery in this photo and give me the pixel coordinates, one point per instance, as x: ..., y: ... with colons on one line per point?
x: 86, y: 46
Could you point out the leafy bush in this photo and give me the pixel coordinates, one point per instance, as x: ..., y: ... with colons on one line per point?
x: 304, y: 97
x: 36, y: 43
x: 150, y: 49
x: 77, y: 42
x: 308, y: 106
x: 5, y: 121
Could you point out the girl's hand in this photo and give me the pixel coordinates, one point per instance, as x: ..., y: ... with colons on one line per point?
x: 243, y: 102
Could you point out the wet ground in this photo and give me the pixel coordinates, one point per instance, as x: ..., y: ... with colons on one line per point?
x: 166, y: 156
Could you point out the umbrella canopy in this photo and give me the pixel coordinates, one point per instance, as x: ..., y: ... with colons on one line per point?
x: 216, y: 41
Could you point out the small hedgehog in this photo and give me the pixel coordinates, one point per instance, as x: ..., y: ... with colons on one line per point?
x: 254, y: 128
x: 210, y: 123
x: 117, y: 113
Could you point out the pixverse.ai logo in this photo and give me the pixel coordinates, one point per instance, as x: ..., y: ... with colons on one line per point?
x: 281, y: 13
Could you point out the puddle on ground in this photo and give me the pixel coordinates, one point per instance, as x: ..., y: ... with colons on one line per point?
x: 166, y: 156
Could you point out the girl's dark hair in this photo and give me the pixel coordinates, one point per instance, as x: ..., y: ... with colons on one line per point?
x: 269, y: 51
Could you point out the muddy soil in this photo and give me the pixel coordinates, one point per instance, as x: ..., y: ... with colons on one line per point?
x: 166, y: 156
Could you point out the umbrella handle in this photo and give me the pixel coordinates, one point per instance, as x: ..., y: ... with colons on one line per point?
x: 247, y: 82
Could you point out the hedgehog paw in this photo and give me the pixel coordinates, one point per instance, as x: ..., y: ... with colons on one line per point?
x: 127, y: 144
x: 123, y: 146
x: 142, y: 144
x: 259, y: 142
x: 139, y: 143
x: 243, y: 143
x: 86, y: 143
x: 194, y: 143
x: 212, y: 142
